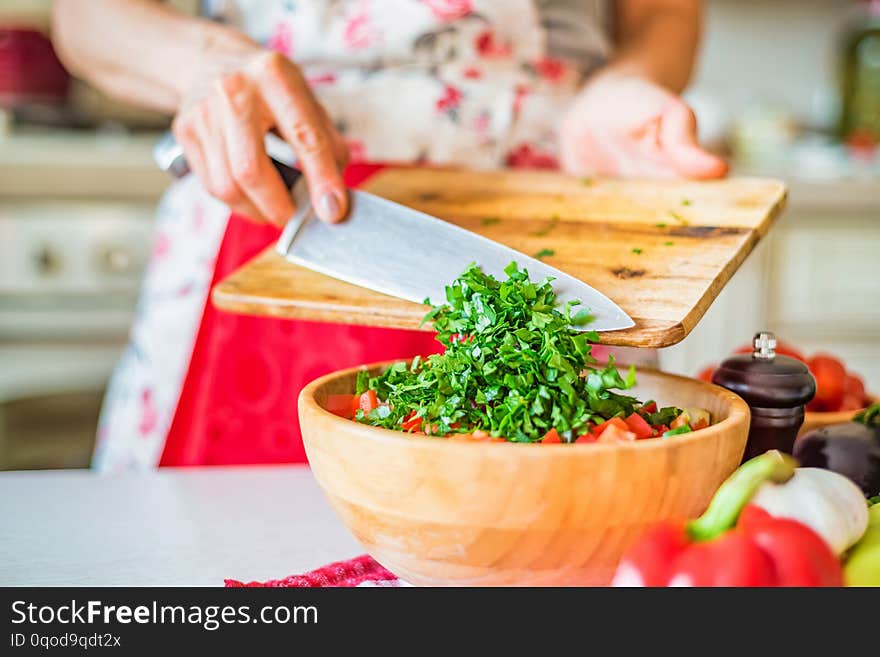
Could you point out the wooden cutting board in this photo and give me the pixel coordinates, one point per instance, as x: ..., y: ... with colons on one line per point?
x: 662, y: 250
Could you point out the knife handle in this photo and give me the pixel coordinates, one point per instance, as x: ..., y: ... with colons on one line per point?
x: 169, y: 156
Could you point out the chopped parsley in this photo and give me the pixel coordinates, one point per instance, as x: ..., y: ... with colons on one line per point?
x: 544, y: 253
x: 685, y: 201
x: 514, y: 367
x: 550, y: 226
x: 660, y: 225
x: 488, y: 221
x: 637, y: 251
x: 670, y: 243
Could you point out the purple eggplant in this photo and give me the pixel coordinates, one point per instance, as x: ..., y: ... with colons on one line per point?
x: 851, y: 449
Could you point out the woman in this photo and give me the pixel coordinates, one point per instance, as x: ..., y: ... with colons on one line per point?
x: 477, y: 83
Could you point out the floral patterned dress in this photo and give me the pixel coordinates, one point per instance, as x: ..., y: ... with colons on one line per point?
x: 476, y: 83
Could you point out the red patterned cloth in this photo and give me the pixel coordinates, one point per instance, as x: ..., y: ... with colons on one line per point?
x: 360, y: 571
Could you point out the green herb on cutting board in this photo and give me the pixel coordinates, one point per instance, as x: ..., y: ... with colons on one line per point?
x: 549, y: 227
x: 668, y: 243
x: 586, y: 181
x: 488, y: 221
x: 637, y: 251
x: 685, y: 201
x: 544, y: 253
x: 660, y: 225
x: 513, y: 367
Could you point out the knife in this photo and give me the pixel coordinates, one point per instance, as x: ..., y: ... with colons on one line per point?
x: 393, y: 249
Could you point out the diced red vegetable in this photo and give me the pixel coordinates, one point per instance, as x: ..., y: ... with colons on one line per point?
x: 587, y: 438
x: 368, y: 401
x: 614, y: 434
x: 659, y: 430
x: 342, y: 405
x: 412, y: 423
x: 615, y: 421
x: 551, y: 436
x: 650, y: 407
x: 639, y: 426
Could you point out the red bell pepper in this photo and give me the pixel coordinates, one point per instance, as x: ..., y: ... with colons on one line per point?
x: 733, y: 543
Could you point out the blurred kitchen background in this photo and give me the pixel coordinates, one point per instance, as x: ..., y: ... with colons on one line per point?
x: 788, y: 88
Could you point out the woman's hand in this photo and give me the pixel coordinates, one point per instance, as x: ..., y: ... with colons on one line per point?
x: 626, y: 126
x: 222, y: 123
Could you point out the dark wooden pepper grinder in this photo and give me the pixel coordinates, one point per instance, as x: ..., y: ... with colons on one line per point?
x: 776, y: 388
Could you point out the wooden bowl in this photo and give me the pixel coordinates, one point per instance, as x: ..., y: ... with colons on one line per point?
x: 440, y: 512
x: 813, y: 420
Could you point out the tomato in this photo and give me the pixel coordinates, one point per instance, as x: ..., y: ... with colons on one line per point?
x: 551, y: 436
x: 650, y: 407
x: 659, y: 430
x: 638, y: 426
x: 368, y: 401
x: 855, y: 387
x: 411, y: 422
x: 830, y: 375
x: 614, y: 434
x: 706, y: 373
x: 782, y: 348
x: 587, y: 438
x: 342, y: 405
x: 615, y: 421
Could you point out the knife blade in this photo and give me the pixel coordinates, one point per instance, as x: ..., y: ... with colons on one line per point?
x: 399, y: 251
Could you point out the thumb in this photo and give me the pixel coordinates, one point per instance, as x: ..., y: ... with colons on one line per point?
x: 678, y: 142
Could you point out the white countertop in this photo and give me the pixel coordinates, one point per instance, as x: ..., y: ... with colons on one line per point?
x: 187, y: 526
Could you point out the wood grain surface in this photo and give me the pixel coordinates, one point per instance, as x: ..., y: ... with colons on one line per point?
x: 662, y: 250
x: 440, y: 512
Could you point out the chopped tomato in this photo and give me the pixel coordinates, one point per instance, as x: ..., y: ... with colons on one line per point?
x: 614, y: 434
x: 551, y: 436
x: 659, y: 430
x: 368, y: 401
x: 587, y: 438
x: 650, y: 407
x: 638, y: 426
x: 615, y: 421
x: 412, y: 423
x: 342, y: 405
